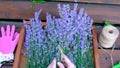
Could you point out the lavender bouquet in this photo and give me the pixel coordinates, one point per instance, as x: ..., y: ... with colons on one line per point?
x: 71, y: 32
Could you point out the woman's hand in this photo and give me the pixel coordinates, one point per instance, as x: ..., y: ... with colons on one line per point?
x: 66, y: 63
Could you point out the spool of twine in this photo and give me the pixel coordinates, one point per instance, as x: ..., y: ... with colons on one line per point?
x: 108, y: 36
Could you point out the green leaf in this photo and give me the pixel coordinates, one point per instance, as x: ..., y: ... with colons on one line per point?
x: 41, y: 0
x: 37, y: 1
x: 107, y: 23
x: 116, y: 66
x: 61, y: 51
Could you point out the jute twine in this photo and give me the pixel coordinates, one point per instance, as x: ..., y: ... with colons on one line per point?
x: 107, y: 39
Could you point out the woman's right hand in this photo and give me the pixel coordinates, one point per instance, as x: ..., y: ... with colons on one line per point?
x: 66, y: 63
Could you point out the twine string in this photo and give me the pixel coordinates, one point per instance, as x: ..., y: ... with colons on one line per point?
x: 109, y: 53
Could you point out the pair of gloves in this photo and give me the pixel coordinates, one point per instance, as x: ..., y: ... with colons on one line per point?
x: 8, y: 41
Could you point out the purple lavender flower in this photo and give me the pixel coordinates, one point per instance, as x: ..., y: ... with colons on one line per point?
x: 71, y: 32
x: 37, y: 45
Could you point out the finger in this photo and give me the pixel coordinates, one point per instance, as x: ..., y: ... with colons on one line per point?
x: 8, y: 30
x: 66, y: 60
x: 15, y: 38
x: 2, y: 31
x: 12, y: 30
x: 60, y: 65
x: 53, y: 64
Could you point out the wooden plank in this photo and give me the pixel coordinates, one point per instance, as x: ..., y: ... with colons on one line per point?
x: 117, y: 2
x: 23, y: 59
x: 105, y: 59
x: 22, y: 10
x: 18, y: 48
x: 5, y: 23
x: 95, y: 46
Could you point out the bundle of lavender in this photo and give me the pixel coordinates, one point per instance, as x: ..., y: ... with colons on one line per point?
x: 71, y: 32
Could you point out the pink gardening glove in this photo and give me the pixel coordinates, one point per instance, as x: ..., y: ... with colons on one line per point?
x: 8, y: 40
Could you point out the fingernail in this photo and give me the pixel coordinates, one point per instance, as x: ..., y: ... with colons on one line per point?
x: 60, y: 65
x: 62, y: 55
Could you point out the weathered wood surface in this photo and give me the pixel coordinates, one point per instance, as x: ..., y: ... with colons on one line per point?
x: 95, y: 46
x: 19, y: 47
x: 22, y: 10
x: 23, y: 59
x: 116, y: 2
x: 105, y: 59
x: 5, y: 23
